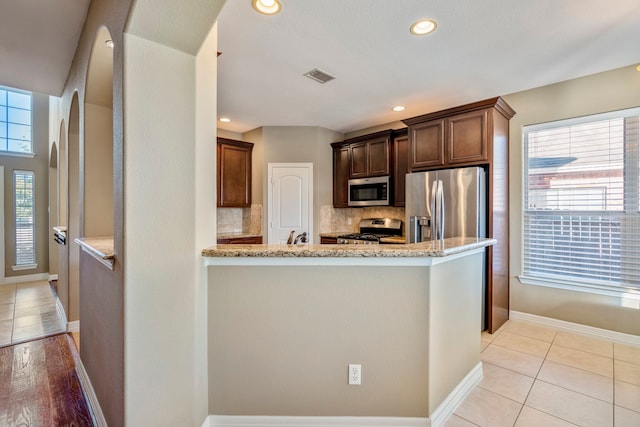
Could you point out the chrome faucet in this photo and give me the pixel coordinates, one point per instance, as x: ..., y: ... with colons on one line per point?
x: 302, y: 237
x: 290, y: 239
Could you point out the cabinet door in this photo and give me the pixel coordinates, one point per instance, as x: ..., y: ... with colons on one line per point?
x: 378, y: 157
x: 400, y: 168
x: 467, y: 138
x: 426, y: 145
x: 359, y: 160
x: 340, y: 177
x: 234, y: 175
x: 328, y: 240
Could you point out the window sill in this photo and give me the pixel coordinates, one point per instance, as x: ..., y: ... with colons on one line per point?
x: 24, y: 267
x: 624, y: 293
x: 16, y: 154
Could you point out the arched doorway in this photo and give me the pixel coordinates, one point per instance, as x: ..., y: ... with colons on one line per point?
x: 74, y: 220
x: 97, y: 191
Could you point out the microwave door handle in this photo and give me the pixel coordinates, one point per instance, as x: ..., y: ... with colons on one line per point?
x: 434, y: 217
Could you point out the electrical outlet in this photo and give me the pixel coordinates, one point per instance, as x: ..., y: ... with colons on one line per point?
x: 355, y: 374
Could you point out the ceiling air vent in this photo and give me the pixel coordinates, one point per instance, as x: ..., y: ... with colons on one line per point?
x: 319, y: 76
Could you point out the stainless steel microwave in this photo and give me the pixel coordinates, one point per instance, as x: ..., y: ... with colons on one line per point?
x: 369, y: 191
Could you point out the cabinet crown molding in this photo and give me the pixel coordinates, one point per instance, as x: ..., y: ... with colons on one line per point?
x: 498, y: 103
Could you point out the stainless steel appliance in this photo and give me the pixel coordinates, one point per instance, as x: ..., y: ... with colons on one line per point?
x: 448, y: 203
x: 372, y: 231
x: 369, y: 191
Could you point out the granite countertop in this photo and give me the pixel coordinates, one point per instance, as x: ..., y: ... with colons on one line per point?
x: 440, y: 248
x: 236, y: 235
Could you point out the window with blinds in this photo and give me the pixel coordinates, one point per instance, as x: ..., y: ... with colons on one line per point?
x: 581, y: 222
x: 24, y: 213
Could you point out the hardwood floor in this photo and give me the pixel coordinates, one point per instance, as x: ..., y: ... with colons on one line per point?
x: 39, y: 385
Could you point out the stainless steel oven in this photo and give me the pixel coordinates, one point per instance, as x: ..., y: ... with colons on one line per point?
x: 369, y: 191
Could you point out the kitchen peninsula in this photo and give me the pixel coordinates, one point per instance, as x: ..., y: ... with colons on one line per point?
x: 285, y: 321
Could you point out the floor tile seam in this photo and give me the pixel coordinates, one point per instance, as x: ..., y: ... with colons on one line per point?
x: 585, y: 351
x: 624, y: 407
x: 623, y: 381
x: 508, y: 369
x: 499, y: 395
x: 530, y: 338
x: 518, y: 351
x: 575, y: 391
x: 581, y: 369
x: 466, y: 419
x: 551, y: 415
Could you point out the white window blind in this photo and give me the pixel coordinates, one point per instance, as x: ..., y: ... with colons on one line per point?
x: 15, y: 121
x: 581, y: 222
x: 24, y: 212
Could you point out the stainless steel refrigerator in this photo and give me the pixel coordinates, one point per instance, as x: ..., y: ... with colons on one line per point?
x: 448, y: 203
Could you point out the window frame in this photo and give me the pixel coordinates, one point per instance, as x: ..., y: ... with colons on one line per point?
x: 5, y: 122
x: 621, y: 290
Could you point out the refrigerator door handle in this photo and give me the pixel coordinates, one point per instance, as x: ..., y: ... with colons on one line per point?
x: 441, y: 210
x: 434, y: 216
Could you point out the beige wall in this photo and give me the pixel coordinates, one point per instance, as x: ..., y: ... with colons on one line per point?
x: 40, y: 166
x: 98, y: 171
x: 612, y: 90
x: 281, y: 337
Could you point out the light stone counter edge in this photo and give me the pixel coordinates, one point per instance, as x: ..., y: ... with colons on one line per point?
x: 425, y: 253
x: 101, y: 248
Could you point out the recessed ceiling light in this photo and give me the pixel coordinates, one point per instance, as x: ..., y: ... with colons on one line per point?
x: 638, y: 68
x: 398, y: 108
x: 225, y: 119
x: 266, y: 7
x: 109, y: 44
x: 422, y: 27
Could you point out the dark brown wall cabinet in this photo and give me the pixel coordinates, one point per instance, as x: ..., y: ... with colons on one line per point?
x: 361, y: 157
x: 340, y: 174
x: 234, y: 173
x: 370, y: 155
x: 400, y: 166
x: 462, y: 139
x: 474, y: 135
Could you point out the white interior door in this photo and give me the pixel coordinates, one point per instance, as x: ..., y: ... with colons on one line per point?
x: 290, y: 201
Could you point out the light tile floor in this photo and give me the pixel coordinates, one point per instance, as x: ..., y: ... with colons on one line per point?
x: 535, y: 376
x: 28, y: 311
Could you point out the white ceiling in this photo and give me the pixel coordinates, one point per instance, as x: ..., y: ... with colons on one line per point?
x: 481, y: 49
x: 38, y: 40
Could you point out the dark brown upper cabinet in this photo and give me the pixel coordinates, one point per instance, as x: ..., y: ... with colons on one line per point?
x: 340, y: 174
x: 234, y: 173
x: 460, y: 136
x: 400, y: 165
x: 369, y: 155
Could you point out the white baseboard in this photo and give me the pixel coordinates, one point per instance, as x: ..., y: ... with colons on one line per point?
x: 437, y: 419
x: 282, y: 421
x: 73, y: 326
x: 456, y: 397
x: 576, y: 328
x: 53, y: 277
x: 26, y: 278
x: 90, y: 395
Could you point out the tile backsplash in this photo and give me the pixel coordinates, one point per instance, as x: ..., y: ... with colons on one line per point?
x: 347, y: 219
x: 240, y: 220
